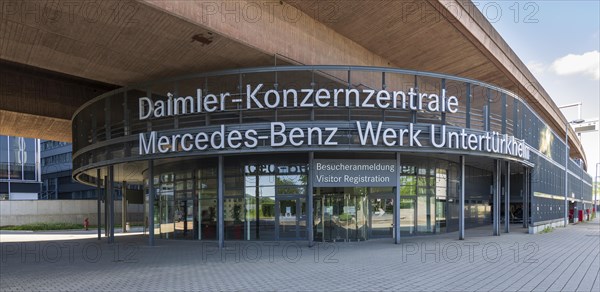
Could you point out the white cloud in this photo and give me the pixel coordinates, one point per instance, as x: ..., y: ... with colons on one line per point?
x: 587, y: 64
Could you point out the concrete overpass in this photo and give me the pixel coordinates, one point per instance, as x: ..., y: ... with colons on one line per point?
x: 56, y: 56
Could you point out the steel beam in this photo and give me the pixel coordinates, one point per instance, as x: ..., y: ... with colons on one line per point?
x: 507, y: 199
x: 99, y: 203
x: 461, y: 211
x: 496, y: 194
x: 151, y: 192
x: 397, y: 202
x: 111, y: 195
x: 309, y: 201
x: 220, y: 202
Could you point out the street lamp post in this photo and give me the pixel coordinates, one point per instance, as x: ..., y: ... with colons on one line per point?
x: 596, y: 190
x: 566, y: 221
x: 577, y: 121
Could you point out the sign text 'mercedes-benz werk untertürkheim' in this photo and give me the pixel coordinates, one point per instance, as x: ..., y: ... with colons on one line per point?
x: 370, y: 133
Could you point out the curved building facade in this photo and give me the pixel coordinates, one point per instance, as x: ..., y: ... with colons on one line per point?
x: 328, y: 153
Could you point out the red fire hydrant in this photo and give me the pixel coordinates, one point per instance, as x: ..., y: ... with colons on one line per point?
x: 86, y: 223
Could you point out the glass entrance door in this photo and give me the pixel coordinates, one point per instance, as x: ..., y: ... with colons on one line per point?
x: 381, y: 216
x: 185, y: 213
x: 341, y: 214
x: 184, y: 217
x: 407, y: 215
x: 291, y: 218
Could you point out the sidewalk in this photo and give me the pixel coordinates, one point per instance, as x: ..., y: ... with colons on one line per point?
x: 565, y: 259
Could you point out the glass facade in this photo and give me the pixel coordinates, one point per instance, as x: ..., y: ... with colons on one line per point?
x: 55, y: 159
x: 4, y: 157
x: 265, y: 179
x: 18, y: 158
x: 265, y: 198
x: 19, y: 168
x: 57, y: 179
x: 263, y: 201
x: 482, y: 108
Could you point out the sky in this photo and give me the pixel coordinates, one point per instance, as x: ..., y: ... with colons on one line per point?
x: 559, y: 41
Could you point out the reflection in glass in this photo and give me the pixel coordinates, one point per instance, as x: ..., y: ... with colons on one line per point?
x: 265, y: 186
x: 16, y: 157
x: 206, y: 188
x: 3, y: 157
x: 343, y: 216
x: 381, y: 216
x: 291, y: 220
x: 407, y: 215
x: 28, y: 152
x: 166, y: 205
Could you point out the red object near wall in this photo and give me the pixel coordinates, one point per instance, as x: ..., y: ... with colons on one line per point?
x: 571, y: 215
x: 588, y: 214
x: 580, y: 215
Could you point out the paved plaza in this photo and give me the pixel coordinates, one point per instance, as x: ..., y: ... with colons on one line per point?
x: 566, y: 259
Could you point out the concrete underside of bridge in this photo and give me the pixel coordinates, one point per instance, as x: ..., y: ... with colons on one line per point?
x: 57, y: 56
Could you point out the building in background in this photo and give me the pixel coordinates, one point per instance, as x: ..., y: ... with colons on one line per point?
x: 57, y: 182
x: 19, y: 168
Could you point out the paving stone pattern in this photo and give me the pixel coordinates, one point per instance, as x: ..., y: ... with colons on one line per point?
x: 566, y: 259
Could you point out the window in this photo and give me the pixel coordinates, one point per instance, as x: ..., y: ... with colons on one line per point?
x: 3, y: 157
x: 57, y: 159
x: 47, y: 145
x: 18, y: 158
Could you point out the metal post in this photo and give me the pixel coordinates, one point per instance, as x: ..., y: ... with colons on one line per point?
x: 9, y: 167
x: 151, y: 192
x: 525, y: 197
x: 99, y: 203
x: 196, y: 207
x: 397, y: 202
x: 468, y: 105
x: 257, y: 207
x: 566, y: 220
x: 111, y: 182
x: 220, y: 202
x: 529, y: 197
x: 322, y: 214
x: 595, y: 186
x: 496, y: 200
x: 124, y: 207
x: 106, y: 209
x: 309, y: 201
x: 507, y: 199
x: 461, y: 211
